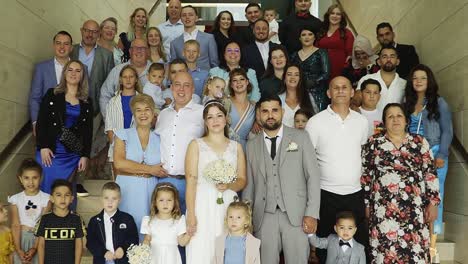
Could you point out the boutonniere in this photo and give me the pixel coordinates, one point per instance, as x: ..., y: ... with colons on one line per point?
x: 123, y: 226
x: 292, y: 147
x: 99, y: 219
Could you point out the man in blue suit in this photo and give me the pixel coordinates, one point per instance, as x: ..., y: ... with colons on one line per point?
x: 47, y: 73
x: 208, y: 49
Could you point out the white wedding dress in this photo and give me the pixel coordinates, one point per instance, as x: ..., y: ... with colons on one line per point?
x: 210, y: 215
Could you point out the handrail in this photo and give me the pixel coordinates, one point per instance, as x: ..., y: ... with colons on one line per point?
x: 154, y: 7
x: 11, y: 146
x: 350, y: 23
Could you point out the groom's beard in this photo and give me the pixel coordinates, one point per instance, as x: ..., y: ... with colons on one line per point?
x: 273, y: 126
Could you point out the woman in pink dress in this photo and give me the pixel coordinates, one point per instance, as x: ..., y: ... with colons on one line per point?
x: 336, y: 38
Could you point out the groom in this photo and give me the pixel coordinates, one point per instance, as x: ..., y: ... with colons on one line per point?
x: 283, y: 186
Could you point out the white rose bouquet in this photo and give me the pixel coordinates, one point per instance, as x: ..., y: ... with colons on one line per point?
x: 220, y: 172
x: 139, y: 254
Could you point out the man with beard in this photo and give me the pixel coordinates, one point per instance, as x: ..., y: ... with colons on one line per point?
x: 407, y: 53
x: 337, y: 134
x: 393, y: 87
x: 283, y: 186
x: 290, y: 27
x: 255, y: 55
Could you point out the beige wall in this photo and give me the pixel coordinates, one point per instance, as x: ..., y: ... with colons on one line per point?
x: 439, y: 31
x: 27, y: 28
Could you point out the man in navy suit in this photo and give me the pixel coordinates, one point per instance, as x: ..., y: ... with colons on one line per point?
x: 406, y: 53
x: 255, y: 55
x: 47, y: 73
x: 208, y: 50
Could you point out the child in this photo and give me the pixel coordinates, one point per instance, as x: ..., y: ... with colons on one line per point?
x: 7, y: 246
x: 26, y: 208
x: 111, y: 232
x: 60, y: 232
x: 370, y: 90
x: 341, y: 247
x: 238, y: 245
x: 165, y: 228
x: 214, y: 89
x: 154, y: 87
x: 301, y: 117
x: 199, y: 76
x: 270, y: 16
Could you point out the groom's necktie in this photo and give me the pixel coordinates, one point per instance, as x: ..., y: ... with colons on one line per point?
x: 273, y: 147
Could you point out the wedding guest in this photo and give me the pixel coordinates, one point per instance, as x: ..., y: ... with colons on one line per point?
x: 271, y: 15
x: 108, y: 30
x: 401, y: 191
x: 224, y: 32
x: 173, y: 27
x: 370, y: 90
x: 301, y: 117
x: 315, y: 64
x: 253, y: 12
x: 155, y: 45
x: 430, y: 116
x: 136, y: 30
x: 363, y: 61
x: 272, y: 79
x: 336, y: 39
x: 199, y: 76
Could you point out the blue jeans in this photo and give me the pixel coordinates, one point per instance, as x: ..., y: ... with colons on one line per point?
x: 441, y: 174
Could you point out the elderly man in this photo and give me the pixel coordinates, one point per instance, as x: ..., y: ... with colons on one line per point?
x: 47, y: 73
x: 208, y: 50
x: 173, y: 27
x: 337, y: 134
x: 138, y: 60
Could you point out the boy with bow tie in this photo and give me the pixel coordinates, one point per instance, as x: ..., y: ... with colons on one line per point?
x: 341, y: 247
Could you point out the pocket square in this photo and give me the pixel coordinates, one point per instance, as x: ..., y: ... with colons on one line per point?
x: 123, y: 226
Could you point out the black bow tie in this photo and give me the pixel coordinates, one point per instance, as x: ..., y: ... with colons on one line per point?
x: 342, y: 243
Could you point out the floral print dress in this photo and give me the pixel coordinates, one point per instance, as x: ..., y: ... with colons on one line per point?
x: 398, y: 184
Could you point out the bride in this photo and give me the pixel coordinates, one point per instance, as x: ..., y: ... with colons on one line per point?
x: 205, y: 216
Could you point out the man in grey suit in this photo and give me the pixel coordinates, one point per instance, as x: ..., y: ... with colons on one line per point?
x: 99, y: 62
x: 208, y: 50
x: 283, y: 186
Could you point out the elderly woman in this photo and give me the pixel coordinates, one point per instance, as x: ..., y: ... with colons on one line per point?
x: 315, y: 65
x: 273, y: 76
x: 64, y: 127
x: 401, y: 191
x: 363, y: 61
x: 232, y: 56
x: 155, y: 44
x: 136, y: 30
x: 106, y: 40
x: 137, y: 159
x: 430, y: 117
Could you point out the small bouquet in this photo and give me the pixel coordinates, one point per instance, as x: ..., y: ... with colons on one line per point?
x: 139, y: 254
x: 220, y: 172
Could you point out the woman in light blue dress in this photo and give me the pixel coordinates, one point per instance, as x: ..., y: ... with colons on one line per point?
x: 242, y: 111
x: 137, y: 160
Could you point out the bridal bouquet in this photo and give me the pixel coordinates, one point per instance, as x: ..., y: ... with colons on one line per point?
x: 139, y: 254
x: 220, y: 172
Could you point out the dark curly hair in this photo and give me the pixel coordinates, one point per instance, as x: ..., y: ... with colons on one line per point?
x: 326, y: 22
x: 411, y: 97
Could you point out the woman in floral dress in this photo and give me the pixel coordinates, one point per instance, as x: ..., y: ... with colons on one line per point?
x: 401, y: 191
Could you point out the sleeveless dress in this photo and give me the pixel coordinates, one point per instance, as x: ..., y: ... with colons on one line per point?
x: 210, y: 215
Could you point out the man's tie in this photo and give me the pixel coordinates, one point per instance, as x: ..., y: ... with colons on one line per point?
x: 342, y: 243
x: 273, y: 147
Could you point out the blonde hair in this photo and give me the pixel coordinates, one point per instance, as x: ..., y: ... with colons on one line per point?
x: 192, y: 42
x: 82, y: 92
x: 161, y: 51
x: 131, y: 27
x: 210, y: 81
x: 142, y: 99
x: 138, y: 87
x: 245, y: 206
x: 165, y: 187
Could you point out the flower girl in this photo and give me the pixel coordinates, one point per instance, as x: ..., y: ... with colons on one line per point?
x: 165, y: 228
x: 238, y: 245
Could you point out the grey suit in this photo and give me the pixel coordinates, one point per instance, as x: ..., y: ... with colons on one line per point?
x: 335, y: 254
x: 296, y: 194
x: 208, y: 50
x: 102, y: 65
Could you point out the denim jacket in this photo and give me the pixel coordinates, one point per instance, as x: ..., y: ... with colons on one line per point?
x: 439, y: 131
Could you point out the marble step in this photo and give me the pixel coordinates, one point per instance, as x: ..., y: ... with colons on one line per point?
x: 94, y: 187
x: 446, y: 250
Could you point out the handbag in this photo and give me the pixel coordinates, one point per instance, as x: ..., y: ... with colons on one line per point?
x: 70, y: 139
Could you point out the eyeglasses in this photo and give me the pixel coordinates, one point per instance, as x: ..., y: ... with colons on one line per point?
x: 233, y: 50
x: 87, y: 31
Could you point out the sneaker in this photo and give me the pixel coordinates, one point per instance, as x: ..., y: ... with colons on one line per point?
x: 81, y: 191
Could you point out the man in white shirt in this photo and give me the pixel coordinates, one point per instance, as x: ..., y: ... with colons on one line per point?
x: 177, y: 125
x: 255, y: 55
x: 393, y: 87
x: 173, y: 27
x: 208, y: 50
x: 337, y: 134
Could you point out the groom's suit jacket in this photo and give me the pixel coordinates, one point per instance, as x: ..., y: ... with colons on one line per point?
x: 298, y: 172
